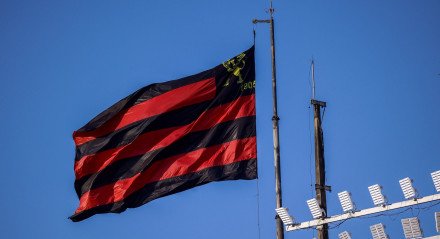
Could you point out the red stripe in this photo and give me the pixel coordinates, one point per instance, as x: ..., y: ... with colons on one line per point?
x: 171, y: 100
x: 191, y: 162
x: 242, y: 107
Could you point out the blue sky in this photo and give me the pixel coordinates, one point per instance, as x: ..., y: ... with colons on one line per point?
x: 378, y: 66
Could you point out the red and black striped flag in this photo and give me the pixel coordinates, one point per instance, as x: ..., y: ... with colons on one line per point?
x: 169, y: 137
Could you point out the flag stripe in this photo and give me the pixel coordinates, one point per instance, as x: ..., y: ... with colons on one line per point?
x: 146, y: 93
x: 246, y: 169
x: 174, y: 118
x: 183, y: 96
x: 178, y: 165
x: 128, y: 167
x: 243, y: 106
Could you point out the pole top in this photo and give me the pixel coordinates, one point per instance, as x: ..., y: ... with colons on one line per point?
x: 317, y: 102
x: 313, y: 100
x: 271, y: 10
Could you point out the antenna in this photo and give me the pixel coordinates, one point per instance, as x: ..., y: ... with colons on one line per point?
x: 313, y: 79
x: 271, y: 10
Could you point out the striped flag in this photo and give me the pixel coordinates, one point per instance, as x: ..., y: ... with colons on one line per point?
x: 169, y: 137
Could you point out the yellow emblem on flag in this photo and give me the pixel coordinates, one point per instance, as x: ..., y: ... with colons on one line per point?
x: 235, y: 65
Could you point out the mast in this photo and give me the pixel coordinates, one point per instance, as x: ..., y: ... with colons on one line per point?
x: 276, y: 138
x: 275, y: 119
x: 320, y: 186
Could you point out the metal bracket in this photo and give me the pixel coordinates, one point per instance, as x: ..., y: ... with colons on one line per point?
x: 255, y: 21
x: 317, y: 102
x: 325, y: 187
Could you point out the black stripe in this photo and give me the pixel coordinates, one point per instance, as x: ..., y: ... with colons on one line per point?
x: 246, y: 169
x: 144, y: 94
x: 178, y: 117
x: 125, y: 168
x: 154, y: 90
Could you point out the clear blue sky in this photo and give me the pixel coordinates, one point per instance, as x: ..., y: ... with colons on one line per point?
x: 378, y: 66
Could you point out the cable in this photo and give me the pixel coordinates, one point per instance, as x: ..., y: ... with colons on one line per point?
x: 430, y: 206
x: 258, y: 180
x: 310, y: 155
x: 339, y: 224
x: 310, y: 141
x: 254, y: 32
x: 258, y: 209
x: 385, y: 214
x: 391, y: 216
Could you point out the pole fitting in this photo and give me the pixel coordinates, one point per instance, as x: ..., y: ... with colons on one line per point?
x: 275, y: 117
x: 325, y: 187
x: 317, y: 102
x: 255, y: 21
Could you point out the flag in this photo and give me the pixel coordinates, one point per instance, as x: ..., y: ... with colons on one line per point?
x: 169, y: 137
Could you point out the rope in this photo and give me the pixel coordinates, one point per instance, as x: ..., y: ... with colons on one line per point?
x: 258, y: 180
x: 258, y: 208
x: 310, y: 141
x: 254, y: 32
x: 310, y: 154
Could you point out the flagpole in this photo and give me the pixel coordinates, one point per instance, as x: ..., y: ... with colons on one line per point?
x: 275, y: 119
x: 276, y: 138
